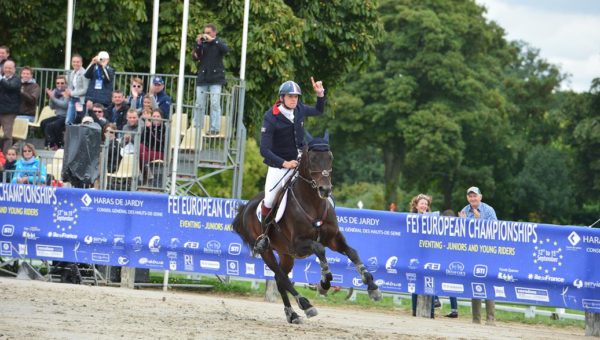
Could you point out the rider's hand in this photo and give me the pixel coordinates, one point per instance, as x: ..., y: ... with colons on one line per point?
x: 290, y: 164
x: 318, y: 87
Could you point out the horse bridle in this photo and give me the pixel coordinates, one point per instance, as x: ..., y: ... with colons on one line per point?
x: 313, y: 183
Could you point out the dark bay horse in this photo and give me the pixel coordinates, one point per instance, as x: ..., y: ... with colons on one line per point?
x: 308, y: 225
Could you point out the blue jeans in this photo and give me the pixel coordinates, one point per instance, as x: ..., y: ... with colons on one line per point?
x: 215, y: 106
x: 453, y: 303
x: 71, y: 112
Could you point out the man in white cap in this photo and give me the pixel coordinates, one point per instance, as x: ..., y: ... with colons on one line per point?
x: 476, y: 208
x: 101, y: 77
x: 479, y: 210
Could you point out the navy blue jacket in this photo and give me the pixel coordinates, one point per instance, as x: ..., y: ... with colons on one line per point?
x: 164, y: 103
x: 104, y: 95
x: 280, y: 138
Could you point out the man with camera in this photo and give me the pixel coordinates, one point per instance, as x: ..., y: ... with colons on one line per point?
x: 101, y: 77
x: 209, y: 53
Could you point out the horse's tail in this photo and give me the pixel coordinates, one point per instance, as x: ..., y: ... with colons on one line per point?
x: 238, y: 221
x: 238, y: 225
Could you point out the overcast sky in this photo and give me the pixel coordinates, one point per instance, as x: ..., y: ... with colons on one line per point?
x: 567, y: 32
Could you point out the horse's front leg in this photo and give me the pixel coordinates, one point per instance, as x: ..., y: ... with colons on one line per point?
x: 341, y: 246
x: 326, y: 276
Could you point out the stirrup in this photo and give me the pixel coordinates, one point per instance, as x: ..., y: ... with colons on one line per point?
x: 261, y: 244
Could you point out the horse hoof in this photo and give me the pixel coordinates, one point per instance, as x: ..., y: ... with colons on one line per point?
x: 322, y: 291
x: 310, y: 312
x: 294, y: 319
x: 375, y: 294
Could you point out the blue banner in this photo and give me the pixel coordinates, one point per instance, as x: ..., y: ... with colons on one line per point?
x: 500, y: 260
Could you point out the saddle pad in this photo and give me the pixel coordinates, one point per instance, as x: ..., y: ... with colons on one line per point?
x: 280, y: 211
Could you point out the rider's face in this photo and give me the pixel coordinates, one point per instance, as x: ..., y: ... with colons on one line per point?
x: 290, y: 100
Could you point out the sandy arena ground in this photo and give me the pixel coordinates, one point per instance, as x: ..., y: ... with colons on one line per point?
x: 42, y: 310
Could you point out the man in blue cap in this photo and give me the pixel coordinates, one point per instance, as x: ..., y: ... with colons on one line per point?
x: 161, y: 98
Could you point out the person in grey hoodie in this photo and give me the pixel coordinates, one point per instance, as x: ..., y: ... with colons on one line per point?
x: 54, y: 127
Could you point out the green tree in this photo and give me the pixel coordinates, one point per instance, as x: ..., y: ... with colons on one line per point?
x: 437, y: 69
x: 543, y: 190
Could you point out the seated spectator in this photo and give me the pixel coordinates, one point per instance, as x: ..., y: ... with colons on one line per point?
x: 10, y: 165
x: 29, y: 169
x: 152, y: 143
x: 162, y: 100
x: 101, y: 77
x: 117, y: 111
x: 148, y: 103
x: 136, y: 97
x: 2, y: 162
x: 30, y: 94
x: 97, y: 113
x: 113, y: 147
x: 131, y: 127
x: 54, y: 127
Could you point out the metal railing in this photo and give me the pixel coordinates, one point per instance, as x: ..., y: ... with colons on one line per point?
x: 199, y: 150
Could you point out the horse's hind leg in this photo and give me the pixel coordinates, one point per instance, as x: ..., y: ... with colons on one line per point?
x: 326, y: 276
x: 343, y: 247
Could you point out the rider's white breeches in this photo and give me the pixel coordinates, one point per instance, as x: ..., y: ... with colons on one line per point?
x: 276, y: 179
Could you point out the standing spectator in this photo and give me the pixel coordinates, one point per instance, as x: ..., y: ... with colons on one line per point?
x: 421, y: 204
x: 478, y: 209
x: 54, y: 127
x: 136, y: 97
x: 10, y: 165
x: 101, y: 76
x: 453, y: 301
x: 160, y: 97
x: 117, y: 111
x: 4, y: 56
x: 29, y: 169
x: 209, y: 53
x: 30, y: 94
x: 10, y: 99
x: 78, y: 86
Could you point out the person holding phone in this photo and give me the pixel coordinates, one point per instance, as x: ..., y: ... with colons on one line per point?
x: 101, y: 76
x: 209, y: 53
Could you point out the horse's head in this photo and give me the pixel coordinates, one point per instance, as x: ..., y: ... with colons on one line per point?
x: 319, y: 165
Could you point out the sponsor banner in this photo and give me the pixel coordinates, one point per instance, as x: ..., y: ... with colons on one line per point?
x: 502, y: 260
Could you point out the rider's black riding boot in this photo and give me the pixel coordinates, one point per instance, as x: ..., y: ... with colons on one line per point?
x: 262, y: 242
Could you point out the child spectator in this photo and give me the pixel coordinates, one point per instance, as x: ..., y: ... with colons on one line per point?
x: 10, y: 165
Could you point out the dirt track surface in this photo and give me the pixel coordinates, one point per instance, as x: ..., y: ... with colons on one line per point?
x: 42, y: 310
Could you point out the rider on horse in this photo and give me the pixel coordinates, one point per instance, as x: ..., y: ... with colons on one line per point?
x: 282, y: 136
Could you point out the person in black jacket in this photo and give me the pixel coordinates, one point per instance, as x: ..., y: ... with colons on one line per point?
x: 209, y: 53
x: 282, y: 135
x: 10, y: 100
